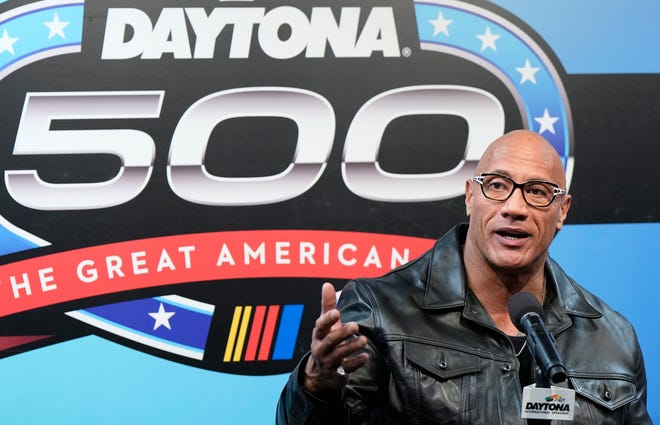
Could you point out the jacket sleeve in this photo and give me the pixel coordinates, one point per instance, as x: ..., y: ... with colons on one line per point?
x: 637, y: 412
x: 297, y: 407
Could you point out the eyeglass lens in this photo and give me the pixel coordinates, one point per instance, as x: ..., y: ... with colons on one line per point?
x: 536, y: 193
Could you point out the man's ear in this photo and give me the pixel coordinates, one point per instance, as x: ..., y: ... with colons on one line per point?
x: 468, y: 197
x: 563, y: 213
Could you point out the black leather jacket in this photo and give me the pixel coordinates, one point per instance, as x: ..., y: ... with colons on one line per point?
x: 436, y: 357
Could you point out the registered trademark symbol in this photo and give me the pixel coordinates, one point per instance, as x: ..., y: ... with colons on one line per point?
x: 406, y: 52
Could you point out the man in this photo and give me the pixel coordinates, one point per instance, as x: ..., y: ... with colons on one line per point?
x: 432, y: 341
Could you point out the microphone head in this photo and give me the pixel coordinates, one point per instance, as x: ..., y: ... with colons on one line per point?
x: 521, y: 304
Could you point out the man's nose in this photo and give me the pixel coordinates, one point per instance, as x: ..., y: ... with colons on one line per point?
x: 515, y: 205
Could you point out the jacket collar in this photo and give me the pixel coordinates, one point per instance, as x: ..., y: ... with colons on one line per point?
x: 447, y: 284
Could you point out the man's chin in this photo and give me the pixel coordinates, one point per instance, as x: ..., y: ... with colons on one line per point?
x: 516, y: 263
x: 511, y: 261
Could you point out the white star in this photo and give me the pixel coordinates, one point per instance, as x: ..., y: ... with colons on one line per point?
x: 547, y: 122
x: 440, y: 25
x: 162, y: 317
x: 488, y: 39
x: 56, y: 27
x: 7, y: 43
x: 527, y: 72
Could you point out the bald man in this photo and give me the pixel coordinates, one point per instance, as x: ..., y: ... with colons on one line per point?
x: 433, y: 341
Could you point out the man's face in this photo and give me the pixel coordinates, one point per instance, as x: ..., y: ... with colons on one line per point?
x: 511, y: 234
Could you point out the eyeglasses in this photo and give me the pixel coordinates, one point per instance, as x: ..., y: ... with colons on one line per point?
x: 537, y: 193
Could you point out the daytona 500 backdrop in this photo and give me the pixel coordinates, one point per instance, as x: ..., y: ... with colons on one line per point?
x: 180, y: 177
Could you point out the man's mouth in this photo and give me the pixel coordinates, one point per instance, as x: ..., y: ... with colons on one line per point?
x: 513, y: 235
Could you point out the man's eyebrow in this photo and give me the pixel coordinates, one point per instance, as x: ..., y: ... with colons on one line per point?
x: 507, y: 174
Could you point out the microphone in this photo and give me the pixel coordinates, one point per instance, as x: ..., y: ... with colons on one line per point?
x: 525, y: 312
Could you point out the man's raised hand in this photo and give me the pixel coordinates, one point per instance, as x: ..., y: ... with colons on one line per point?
x: 333, y: 350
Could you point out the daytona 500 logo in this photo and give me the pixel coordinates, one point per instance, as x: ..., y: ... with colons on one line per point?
x: 120, y: 159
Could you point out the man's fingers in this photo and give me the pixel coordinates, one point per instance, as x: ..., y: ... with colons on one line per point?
x: 353, y: 363
x: 334, y: 343
x: 326, y: 323
x: 330, y: 318
x: 329, y: 324
x: 328, y: 297
x: 339, y: 342
x: 348, y: 346
x: 327, y: 355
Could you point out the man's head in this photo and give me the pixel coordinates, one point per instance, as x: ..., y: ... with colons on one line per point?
x: 511, y: 234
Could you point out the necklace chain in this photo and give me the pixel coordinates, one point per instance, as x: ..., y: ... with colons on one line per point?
x: 522, y: 348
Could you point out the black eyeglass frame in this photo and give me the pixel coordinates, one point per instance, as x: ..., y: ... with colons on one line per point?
x: 557, y: 190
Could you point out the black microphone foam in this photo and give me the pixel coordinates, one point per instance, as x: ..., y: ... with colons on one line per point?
x: 521, y: 304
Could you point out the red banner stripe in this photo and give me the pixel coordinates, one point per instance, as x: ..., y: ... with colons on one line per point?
x: 135, y: 264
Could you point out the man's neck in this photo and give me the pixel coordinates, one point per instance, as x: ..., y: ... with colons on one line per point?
x: 493, y: 288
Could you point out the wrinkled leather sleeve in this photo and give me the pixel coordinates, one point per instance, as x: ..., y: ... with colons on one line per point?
x: 637, y: 412
x: 616, y: 391
x: 297, y: 406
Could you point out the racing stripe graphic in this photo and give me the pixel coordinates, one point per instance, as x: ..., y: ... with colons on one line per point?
x: 272, y: 328
x: 170, y: 323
